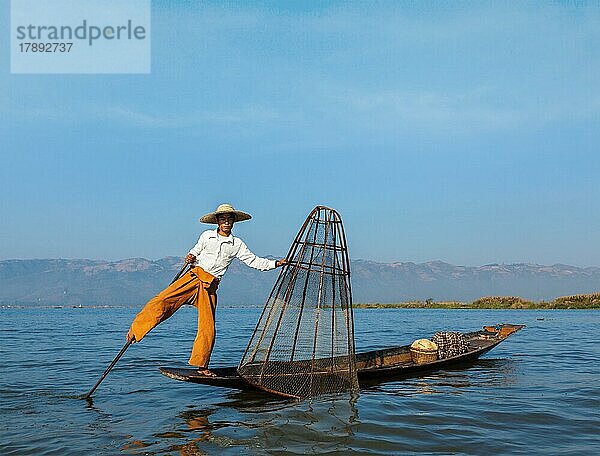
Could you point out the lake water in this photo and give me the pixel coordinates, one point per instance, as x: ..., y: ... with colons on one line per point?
x: 536, y: 393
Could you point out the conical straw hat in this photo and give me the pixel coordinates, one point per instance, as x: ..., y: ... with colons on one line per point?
x: 211, y: 217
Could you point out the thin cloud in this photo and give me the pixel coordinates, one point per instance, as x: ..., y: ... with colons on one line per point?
x: 480, y: 110
x: 246, y: 115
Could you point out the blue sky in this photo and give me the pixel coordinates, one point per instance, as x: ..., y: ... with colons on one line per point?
x: 461, y: 131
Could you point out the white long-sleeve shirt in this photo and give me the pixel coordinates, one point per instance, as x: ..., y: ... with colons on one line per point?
x: 214, y: 253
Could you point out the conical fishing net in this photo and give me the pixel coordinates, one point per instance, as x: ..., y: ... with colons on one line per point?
x: 303, y: 344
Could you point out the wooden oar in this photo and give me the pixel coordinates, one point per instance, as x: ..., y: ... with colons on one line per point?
x: 114, y: 361
x: 127, y: 344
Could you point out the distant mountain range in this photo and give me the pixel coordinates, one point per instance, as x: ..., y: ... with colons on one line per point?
x: 133, y: 281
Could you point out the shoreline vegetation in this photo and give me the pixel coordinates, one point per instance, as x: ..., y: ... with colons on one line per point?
x: 580, y: 301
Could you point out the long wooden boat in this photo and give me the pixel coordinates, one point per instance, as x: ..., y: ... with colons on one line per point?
x: 373, y: 366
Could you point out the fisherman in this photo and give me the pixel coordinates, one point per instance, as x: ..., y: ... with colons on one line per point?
x: 209, y: 260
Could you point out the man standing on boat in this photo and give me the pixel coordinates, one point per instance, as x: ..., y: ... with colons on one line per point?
x: 209, y: 260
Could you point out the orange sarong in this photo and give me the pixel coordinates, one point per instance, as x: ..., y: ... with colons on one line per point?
x: 196, y: 284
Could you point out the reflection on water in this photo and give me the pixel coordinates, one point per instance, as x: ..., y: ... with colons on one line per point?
x: 482, y: 373
x: 197, y: 429
x: 183, y: 436
x: 262, y: 424
x: 251, y: 401
x: 537, y: 390
x: 265, y: 423
x: 326, y: 424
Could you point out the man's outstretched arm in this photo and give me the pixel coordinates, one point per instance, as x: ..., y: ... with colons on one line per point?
x: 256, y: 262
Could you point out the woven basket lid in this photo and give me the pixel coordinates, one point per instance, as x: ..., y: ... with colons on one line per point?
x: 424, y: 344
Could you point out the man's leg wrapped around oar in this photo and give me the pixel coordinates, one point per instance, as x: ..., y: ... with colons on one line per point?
x: 206, y: 303
x: 196, y: 285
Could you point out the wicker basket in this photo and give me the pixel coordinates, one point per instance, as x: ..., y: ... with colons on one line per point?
x: 423, y: 356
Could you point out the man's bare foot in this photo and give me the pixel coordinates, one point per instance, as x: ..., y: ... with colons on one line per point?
x: 205, y: 372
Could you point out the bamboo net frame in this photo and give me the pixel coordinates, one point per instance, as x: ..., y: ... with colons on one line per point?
x: 303, y: 343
